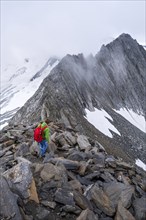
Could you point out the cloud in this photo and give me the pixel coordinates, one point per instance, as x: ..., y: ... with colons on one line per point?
x: 46, y: 28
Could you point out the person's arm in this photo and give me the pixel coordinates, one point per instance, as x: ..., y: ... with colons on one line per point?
x: 47, y: 134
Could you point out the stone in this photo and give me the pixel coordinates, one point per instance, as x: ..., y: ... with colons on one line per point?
x: 33, y: 192
x: 22, y: 150
x: 82, y: 201
x: 7, y: 143
x: 82, y: 168
x: 102, y: 201
x: 71, y: 209
x: 52, y: 147
x: 107, y: 177
x: 77, y: 156
x: 34, y: 148
x: 69, y: 164
x: 8, y: 202
x: 87, y: 215
x: 75, y: 185
x: 119, y: 192
x: 49, y: 204
x: 60, y: 139
x: 51, y: 171
x: 20, y: 178
x: 143, y: 185
x: 64, y: 196
x: 95, y: 175
x: 83, y: 142
x: 139, y: 205
x: 123, y: 214
x: 71, y: 139
x: 42, y: 214
x: 124, y: 165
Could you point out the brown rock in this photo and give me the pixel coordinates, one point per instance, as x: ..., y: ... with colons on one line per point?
x: 82, y: 201
x: 76, y: 185
x: 102, y: 201
x: 123, y: 214
x: 51, y: 171
x: 33, y: 192
x: 87, y: 215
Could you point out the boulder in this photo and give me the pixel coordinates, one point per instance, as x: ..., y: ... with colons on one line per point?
x: 123, y: 214
x: 51, y: 171
x: 87, y: 215
x: 82, y: 201
x: 102, y: 201
x: 64, y: 196
x: 83, y: 142
x: 119, y: 192
x: 140, y: 208
x: 20, y: 178
x: 8, y: 202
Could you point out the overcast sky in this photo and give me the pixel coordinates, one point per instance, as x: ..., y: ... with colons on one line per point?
x: 46, y: 28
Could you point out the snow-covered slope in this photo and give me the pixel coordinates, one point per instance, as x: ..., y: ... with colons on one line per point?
x: 19, y: 82
x: 99, y: 118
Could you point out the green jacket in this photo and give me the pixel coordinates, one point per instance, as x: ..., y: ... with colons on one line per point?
x: 46, y: 132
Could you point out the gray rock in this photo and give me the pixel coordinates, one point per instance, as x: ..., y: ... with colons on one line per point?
x: 19, y: 178
x: 71, y: 139
x: 82, y: 201
x: 87, y: 215
x: 51, y: 171
x: 83, y: 142
x: 77, y: 156
x: 8, y: 202
x: 123, y: 214
x: 69, y: 164
x: 34, y: 148
x: 64, y: 196
x: 119, y: 192
x: 102, y: 201
x: 42, y: 214
x: 50, y: 204
x: 23, y: 149
x: 140, y: 208
x: 71, y: 209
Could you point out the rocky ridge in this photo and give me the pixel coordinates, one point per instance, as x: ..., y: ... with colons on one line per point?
x: 115, y: 78
x: 76, y: 180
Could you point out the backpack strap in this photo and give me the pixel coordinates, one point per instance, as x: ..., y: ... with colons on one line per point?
x: 44, y: 128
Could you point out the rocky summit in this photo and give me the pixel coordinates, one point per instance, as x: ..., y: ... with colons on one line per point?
x: 76, y: 180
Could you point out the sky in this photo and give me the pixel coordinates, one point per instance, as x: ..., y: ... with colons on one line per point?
x: 55, y: 28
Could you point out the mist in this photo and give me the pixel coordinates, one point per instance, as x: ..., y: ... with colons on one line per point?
x: 40, y: 29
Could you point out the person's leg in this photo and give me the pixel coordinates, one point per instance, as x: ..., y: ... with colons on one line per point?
x: 43, y: 147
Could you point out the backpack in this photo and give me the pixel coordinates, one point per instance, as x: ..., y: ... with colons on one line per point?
x: 38, y: 133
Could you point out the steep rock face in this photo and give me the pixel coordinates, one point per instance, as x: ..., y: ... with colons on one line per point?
x: 114, y: 78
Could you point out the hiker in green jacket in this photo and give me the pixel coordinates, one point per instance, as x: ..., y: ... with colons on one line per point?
x: 44, y: 143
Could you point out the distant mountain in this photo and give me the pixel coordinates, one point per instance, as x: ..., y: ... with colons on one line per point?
x: 20, y: 83
x: 113, y: 79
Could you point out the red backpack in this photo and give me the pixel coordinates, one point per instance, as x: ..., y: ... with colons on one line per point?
x: 38, y: 133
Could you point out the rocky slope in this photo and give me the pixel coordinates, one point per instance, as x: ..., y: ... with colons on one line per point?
x: 113, y: 79
x: 77, y: 179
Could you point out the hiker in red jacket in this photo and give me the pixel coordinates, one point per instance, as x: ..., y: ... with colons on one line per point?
x: 42, y: 136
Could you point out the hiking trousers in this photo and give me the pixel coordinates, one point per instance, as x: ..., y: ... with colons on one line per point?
x: 43, y: 147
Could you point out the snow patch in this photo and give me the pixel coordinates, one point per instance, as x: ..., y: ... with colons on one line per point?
x: 99, y: 119
x: 3, y: 125
x: 134, y: 118
x: 140, y: 164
